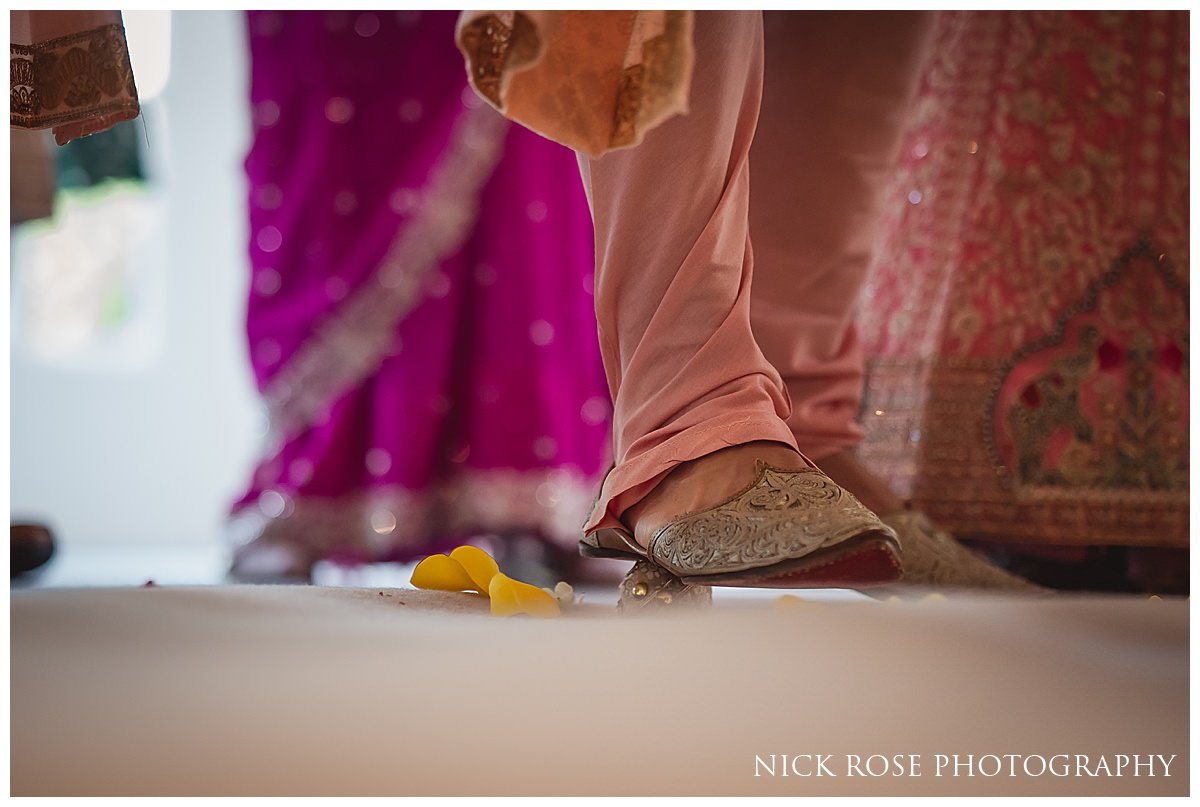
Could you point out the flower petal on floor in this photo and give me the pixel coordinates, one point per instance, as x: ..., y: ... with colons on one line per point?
x: 511, y: 597
x: 441, y: 573
x: 479, y: 566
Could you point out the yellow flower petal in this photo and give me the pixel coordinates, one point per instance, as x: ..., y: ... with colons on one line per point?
x: 479, y: 566
x: 511, y: 597
x: 440, y: 573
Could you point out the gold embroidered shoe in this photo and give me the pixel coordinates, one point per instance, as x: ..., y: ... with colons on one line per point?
x: 932, y: 557
x: 787, y: 529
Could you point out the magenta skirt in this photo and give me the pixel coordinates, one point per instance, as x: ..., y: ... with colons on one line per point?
x: 420, y: 315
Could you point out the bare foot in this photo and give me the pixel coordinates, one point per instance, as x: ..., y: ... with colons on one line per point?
x: 702, y: 483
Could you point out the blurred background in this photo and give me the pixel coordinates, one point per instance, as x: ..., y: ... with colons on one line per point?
x: 134, y: 415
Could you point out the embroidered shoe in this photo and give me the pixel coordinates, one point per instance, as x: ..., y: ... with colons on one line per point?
x: 648, y: 588
x: 787, y: 529
x: 932, y: 557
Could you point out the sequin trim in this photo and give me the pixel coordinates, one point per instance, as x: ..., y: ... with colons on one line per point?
x: 546, y: 503
x: 352, y: 341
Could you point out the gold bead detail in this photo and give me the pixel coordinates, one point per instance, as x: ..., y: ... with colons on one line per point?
x: 640, y: 590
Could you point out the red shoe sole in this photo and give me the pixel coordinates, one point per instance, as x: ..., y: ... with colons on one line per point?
x: 871, y: 560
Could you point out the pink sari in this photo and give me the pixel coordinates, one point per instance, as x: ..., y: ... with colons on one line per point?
x: 420, y: 305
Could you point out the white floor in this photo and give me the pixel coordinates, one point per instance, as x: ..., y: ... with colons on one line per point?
x: 93, y: 565
x: 302, y: 690
x: 89, y: 565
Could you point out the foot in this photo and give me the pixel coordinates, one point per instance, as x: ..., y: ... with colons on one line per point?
x: 705, y: 482
x: 934, y: 559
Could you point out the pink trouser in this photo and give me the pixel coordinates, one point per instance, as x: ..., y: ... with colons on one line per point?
x: 696, y: 361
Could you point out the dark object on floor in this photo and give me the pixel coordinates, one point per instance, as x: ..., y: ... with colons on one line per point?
x: 32, y: 546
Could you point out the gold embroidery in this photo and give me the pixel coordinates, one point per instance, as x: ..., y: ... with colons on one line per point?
x: 1114, y: 400
x: 493, y: 42
x: 1047, y: 147
x: 487, y: 41
x: 783, y: 515
x: 939, y: 450
x: 649, y: 88
x: 72, y: 78
x: 629, y: 100
x: 575, y: 91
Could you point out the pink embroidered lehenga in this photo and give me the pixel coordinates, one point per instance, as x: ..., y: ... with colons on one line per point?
x: 1026, y: 317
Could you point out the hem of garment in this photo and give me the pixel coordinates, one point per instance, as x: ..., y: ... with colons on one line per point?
x: 394, y: 521
x: 77, y: 84
x: 73, y: 130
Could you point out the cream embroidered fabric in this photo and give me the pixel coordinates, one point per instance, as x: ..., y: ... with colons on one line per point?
x: 594, y: 81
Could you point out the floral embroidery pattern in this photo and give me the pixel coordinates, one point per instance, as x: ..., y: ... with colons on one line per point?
x: 71, y: 78
x: 1028, y: 327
